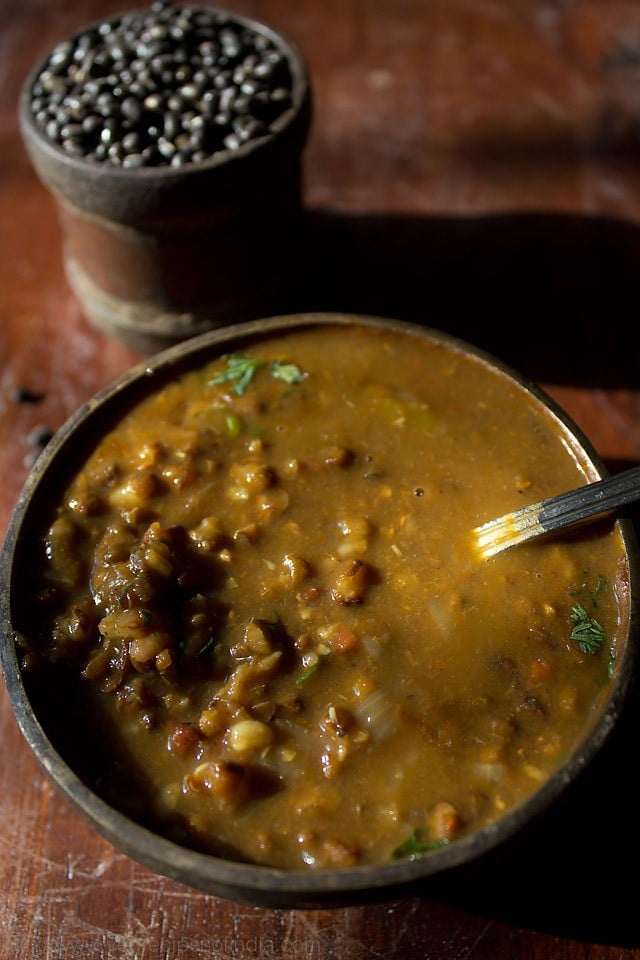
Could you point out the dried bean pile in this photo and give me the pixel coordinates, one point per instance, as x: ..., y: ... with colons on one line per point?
x: 167, y: 86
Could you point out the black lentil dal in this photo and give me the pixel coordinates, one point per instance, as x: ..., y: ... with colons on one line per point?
x: 253, y: 637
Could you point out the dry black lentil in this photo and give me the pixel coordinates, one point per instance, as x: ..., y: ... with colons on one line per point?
x: 40, y: 435
x: 23, y: 394
x: 38, y: 438
x: 165, y: 86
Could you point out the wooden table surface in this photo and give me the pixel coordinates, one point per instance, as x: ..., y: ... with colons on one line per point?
x: 473, y: 165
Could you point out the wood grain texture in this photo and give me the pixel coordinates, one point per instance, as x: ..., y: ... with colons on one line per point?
x: 473, y: 165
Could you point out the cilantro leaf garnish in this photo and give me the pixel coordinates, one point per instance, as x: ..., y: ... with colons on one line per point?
x: 600, y: 585
x: 309, y: 672
x: 591, y: 595
x: 207, y: 646
x: 240, y: 369
x: 120, y: 599
x: 288, y: 372
x: 589, y: 634
x: 416, y: 845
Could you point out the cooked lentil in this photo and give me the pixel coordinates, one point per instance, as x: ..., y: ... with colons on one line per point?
x: 263, y: 586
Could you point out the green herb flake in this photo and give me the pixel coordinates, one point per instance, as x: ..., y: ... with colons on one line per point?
x: 125, y: 591
x: 206, y: 647
x: 591, y: 596
x: 589, y: 634
x: 309, y: 672
x: 601, y: 584
x: 234, y: 425
x: 288, y: 372
x: 145, y: 616
x: 416, y: 845
x: 241, y: 370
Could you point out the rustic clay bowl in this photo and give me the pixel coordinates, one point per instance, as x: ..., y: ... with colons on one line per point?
x: 241, y: 882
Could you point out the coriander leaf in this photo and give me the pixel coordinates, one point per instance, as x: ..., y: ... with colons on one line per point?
x: 589, y: 634
x: 209, y: 645
x: 239, y: 369
x: 601, y: 584
x: 125, y: 591
x: 416, y: 844
x: 591, y: 595
x: 309, y: 672
x: 288, y: 372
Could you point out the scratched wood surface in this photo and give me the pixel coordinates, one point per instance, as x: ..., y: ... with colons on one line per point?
x: 473, y: 165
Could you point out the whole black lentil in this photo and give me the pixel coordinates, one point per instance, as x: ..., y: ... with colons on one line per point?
x: 167, y: 86
x: 23, y: 394
x: 38, y: 438
x: 40, y: 435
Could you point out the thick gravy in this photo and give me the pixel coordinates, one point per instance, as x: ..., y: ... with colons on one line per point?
x: 263, y: 588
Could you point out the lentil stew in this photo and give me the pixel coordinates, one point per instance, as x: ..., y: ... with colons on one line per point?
x: 257, y: 608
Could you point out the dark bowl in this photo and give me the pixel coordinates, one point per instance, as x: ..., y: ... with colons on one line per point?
x: 244, y: 882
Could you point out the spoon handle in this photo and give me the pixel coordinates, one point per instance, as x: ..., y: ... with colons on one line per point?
x: 585, y: 503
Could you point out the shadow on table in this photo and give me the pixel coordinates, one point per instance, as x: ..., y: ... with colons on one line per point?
x: 557, y: 296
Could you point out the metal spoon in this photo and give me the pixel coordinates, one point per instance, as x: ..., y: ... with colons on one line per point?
x: 565, y: 510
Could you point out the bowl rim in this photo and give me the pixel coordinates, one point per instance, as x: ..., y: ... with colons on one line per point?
x: 257, y: 884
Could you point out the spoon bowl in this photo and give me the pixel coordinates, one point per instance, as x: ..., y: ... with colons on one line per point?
x: 569, y: 509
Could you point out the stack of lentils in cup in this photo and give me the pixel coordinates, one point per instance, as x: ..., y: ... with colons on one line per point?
x: 162, y: 87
